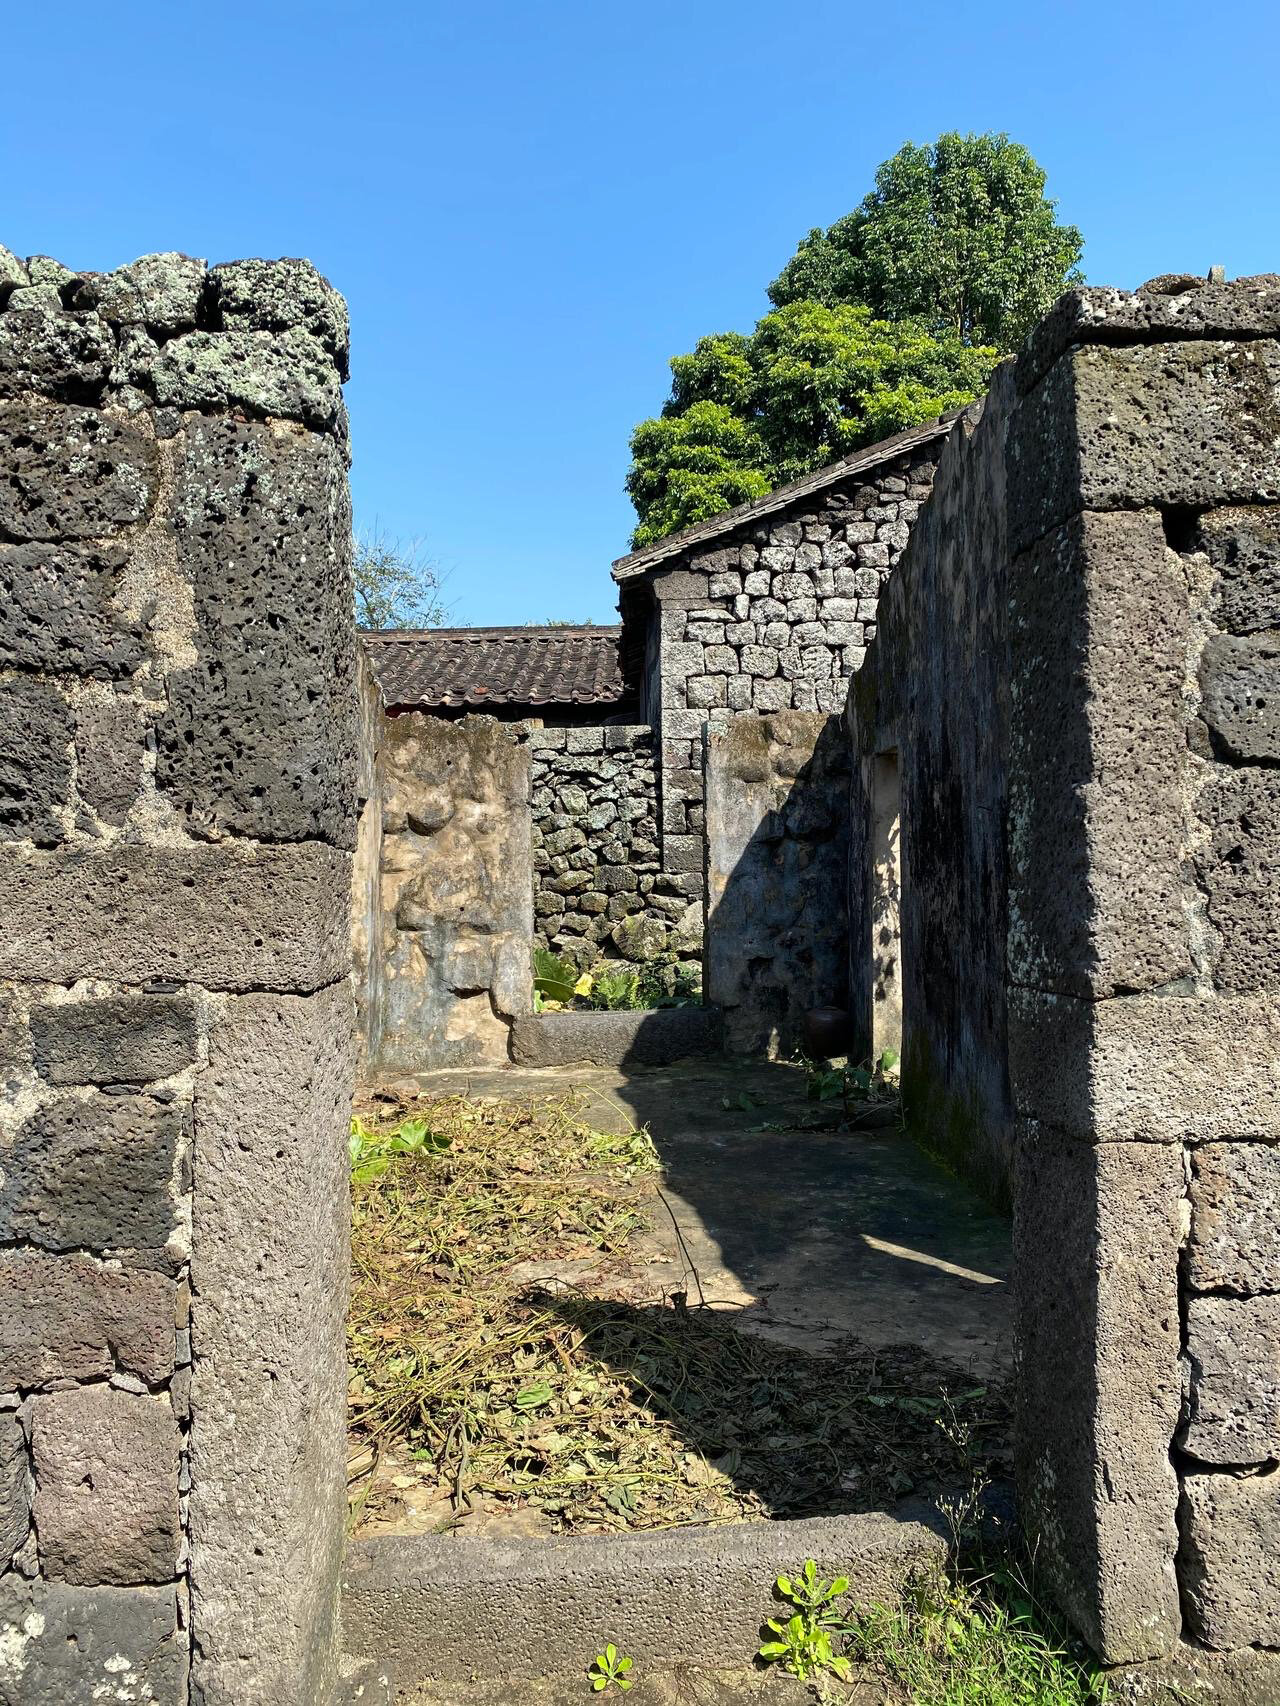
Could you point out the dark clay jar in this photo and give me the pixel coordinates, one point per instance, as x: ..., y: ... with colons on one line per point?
x: 826, y: 1032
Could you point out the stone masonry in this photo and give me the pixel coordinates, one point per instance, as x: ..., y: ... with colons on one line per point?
x: 176, y: 813
x: 1077, y: 669
x: 767, y: 608
x: 599, y: 889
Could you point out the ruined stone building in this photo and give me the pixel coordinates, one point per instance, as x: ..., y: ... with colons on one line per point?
x: 1020, y: 800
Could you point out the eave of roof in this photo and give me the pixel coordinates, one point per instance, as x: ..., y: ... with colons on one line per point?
x: 639, y: 562
x: 472, y: 668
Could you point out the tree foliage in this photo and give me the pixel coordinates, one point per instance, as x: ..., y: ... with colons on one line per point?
x: 959, y: 235
x: 396, y: 586
x: 811, y: 383
x: 894, y: 315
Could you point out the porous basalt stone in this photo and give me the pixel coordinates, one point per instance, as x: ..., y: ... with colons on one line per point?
x: 162, y: 292
x: 281, y: 375
x: 1097, y: 618
x: 13, y: 275
x: 73, y: 473
x: 1240, y: 695
x: 106, y: 1487
x: 119, y: 1039
x: 67, y: 1644
x: 1169, y: 423
x: 1246, y: 307
x: 1236, y: 865
x: 70, y: 1318
x: 58, y: 611
x: 1148, y: 1068
x: 1243, y: 545
x: 1233, y: 1350
x: 15, y: 1489
x: 109, y: 740
x: 258, y: 508
x: 95, y: 1174
x: 1096, y: 1242
x: 59, y: 354
x: 279, y: 296
x: 1230, y: 1564
x: 35, y: 760
x: 1235, y: 1201
x: 252, y: 917
x: 271, y: 1224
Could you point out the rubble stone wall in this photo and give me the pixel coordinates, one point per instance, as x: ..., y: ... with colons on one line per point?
x: 1096, y: 590
x: 775, y: 618
x: 599, y: 888
x: 177, y: 798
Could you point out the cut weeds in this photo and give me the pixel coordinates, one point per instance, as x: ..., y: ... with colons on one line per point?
x: 599, y: 1407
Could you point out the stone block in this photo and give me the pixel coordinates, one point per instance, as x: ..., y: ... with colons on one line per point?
x: 161, y: 292
x: 759, y: 660
x: 73, y: 473
x: 35, y: 760
x: 258, y: 737
x: 1233, y: 1351
x: 1243, y: 545
x: 70, y: 1318
x: 271, y: 1221
x: 738, y: 693
x: 615, y: 1039
x: 51, y: 351
x: 1236, y: 864
x: 109, y: 741
x: 1097, y: 750
x: 283, y: 296
x: 1235, y: 1209
x: 277, y: 375
x: 727, y: 584
x: 97, y: 1174
x: 682, y: 725
x: 15, y: 1489
x: 679, y: 586
x: 1248, y: 307
x: 226, y: 917
x: 1169, y: 423
x: 58, y: 613
x: 1147, y: 1068
x: 720, y: 660
x: 772, y: 695
x: 705, y: 691
x: 1240, y: 696
x: 682, y: 853
x: 115, y: 1039
x: 1096, y: 1243
x: 106, y: 1496
x: 1231, y: 1559
x: 66, y: 1645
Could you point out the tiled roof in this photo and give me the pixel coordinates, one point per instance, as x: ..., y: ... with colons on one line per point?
x: 649, y: 556
x: 497, y: 666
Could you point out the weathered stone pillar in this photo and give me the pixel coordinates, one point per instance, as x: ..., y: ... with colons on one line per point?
x: 176, y: 812
x: 1144, y: 964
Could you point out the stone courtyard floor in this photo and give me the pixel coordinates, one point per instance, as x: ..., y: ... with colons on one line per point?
x: 809, y: 1239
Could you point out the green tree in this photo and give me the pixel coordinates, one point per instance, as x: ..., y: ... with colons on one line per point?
x: 396, y: 586
x: 958, y: 234
x: 810, y: 384
x: 894, y: 315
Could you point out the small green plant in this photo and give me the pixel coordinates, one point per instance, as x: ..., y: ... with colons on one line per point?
x: 617, y: 991
x: 371, y: 1151
x: 802, y: 1644
x: 609, y: 1669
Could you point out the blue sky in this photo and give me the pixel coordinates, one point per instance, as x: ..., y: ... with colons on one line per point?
x: 531, y: 207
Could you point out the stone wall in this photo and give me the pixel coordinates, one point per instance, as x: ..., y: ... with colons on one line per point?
x: 777, y: 854
x: 770, y: 615
x: 1080, y: 645
x: 453, y: 938
x: 176, y: 814
x: 599, y: 889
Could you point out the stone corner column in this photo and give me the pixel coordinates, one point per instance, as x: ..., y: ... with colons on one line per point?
x: 177, y: 794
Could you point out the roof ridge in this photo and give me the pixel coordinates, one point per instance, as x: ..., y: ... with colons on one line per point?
x: 885, y: 450
x: 544, y: 632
